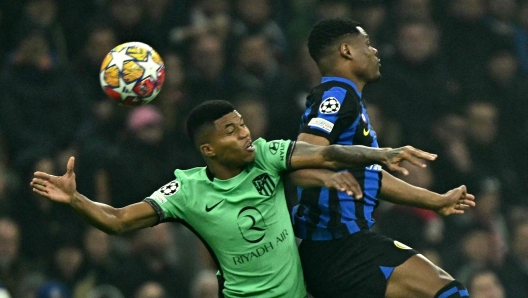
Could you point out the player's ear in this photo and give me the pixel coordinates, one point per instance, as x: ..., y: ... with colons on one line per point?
x: 345, y: 50
x: 207, y: 150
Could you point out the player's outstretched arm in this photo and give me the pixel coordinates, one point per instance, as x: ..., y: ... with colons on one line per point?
x: 397, y: 191
x: 338, y: 157
x: 111, y: 220
x: 342, y: 181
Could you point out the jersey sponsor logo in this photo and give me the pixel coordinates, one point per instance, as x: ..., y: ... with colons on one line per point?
x: 329, y: 105
x: 366, y: 132
x: 170, y: 188
x: 400, y: 245
x: 251, y: 224
x: 262, y: 249
x: 208, y: 209
x: 321, y: 123
x: 274, y: 147
x: 264, y: 184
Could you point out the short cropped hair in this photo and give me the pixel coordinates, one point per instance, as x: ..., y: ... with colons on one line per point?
x: 206, y: 114
x: 325, y: 32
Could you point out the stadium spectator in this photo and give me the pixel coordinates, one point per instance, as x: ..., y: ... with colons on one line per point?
x: 12, y: 265
x: 485, y: 283
x: 205, y: 285
x: 151, y: 289
x: 417, y: 86
x: 256, y: 18
x: 514, y: 272
x: 258, y: 70
x: 206, y: 79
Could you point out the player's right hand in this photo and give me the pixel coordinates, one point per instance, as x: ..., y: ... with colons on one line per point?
x: 393, y: 158
x: 344, y: 181
x: 59, y: 189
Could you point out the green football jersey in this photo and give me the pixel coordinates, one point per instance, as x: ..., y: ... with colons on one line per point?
x: 243, y: 220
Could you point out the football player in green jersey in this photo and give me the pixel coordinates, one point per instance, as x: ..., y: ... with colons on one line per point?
x: 236, y: 204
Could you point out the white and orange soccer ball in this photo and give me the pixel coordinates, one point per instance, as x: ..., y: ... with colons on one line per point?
x: 132, y: 74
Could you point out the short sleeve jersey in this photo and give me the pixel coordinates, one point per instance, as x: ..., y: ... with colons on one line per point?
x: 336, y: 111
x: 243, y: 221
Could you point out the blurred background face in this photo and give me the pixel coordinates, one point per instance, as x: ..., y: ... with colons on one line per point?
x: 333, y: 9
x: 205, y: 285
x: 150, y: 290
x: 255, y: 54
x: 9, y: 242
x: 126, y: 12
x: 522, y: 19
x: 174, y: 70
x: 482, y: 122
x: 255, y: 114
x: 468, y: 10
x: 486, y: 285
x: 42, y: 12
x: 476, y: 247
x: 97, y: 245
x: 68, y: 260
x: 208, y: 56
x: 520, y: 243
x: 502, y: 67
x: 417, y: 42
x: 254, y: 12
x: 100, y: 42
x: 503, y: 10
x: 414, y: 9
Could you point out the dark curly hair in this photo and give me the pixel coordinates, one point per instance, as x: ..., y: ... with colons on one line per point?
x: 325, y: 32
x: 206, y: 113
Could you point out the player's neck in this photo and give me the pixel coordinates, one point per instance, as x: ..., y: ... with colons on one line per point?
x: 222, y: 172
x: 342, y: 74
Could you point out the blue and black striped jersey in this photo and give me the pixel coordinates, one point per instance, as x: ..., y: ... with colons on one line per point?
x: 336, y: 111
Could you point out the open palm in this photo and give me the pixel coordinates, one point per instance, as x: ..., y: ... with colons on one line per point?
x: 456, y: 201
x: 59, y: 189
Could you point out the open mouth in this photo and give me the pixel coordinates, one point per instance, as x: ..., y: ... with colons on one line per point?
x: 250, y: 147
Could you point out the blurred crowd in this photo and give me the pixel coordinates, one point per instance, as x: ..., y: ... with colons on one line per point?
x: 455, y: 83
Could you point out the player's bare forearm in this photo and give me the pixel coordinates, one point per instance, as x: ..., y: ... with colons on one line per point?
x: 397, y: 191
x: 307, y: 178
x: 114, y: 220
x: 334, y: 157
x: 342, y: 181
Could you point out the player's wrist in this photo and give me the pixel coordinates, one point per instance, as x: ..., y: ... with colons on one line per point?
x: 74, y: 199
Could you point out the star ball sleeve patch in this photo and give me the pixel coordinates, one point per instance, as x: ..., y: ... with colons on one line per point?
x: 329, y: 105
x: 170, y: 188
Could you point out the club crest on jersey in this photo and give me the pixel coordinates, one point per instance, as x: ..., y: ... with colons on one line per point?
x: 264, y: 185
x: 170, y: 188
x: 329, y: 106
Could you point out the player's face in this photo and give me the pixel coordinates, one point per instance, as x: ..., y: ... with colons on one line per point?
x: 232, y: 141
x: 366, y: 62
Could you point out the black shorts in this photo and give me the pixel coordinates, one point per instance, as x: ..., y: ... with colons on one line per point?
x: 356, y: 265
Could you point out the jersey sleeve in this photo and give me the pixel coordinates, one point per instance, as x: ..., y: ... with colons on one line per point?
x: 330, y: 116
x: 167, y: 201
x: 274, y: 156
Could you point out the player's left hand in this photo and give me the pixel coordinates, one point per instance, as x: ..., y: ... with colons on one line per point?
x: 457, y: 201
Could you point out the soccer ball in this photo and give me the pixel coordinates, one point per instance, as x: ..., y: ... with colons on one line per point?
x: 132, y: 74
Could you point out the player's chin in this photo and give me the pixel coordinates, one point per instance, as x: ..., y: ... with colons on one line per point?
x: 376, y: 77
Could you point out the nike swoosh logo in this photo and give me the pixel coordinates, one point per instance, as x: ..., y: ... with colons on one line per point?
x: 366, y: 132
x: 208, y: 209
